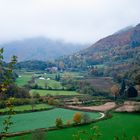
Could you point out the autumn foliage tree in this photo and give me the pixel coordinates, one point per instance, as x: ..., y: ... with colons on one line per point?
x: 77, y: 118
x: 6, y: 79
x: 115, y: 91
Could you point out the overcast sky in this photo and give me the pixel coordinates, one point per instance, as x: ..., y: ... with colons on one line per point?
x: 82, y: 21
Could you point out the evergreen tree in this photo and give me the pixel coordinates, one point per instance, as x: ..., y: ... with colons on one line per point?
x: 123, y: 87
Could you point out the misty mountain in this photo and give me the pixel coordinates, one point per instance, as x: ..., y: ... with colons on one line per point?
x: 39, y: 48
x: 116, y: 49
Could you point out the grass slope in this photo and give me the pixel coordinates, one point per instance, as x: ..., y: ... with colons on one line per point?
x: 118, y: 125
x: 44, y: 119
x: 50, y: 83
x: 23, y: 80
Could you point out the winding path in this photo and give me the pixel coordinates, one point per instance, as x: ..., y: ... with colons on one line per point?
x: 102, y: 115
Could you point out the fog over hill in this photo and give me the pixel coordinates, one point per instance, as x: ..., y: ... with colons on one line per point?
x: 39, y: 48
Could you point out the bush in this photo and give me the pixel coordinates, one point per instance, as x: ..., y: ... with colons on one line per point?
x: 56, y: 102
x: 77, y: 118
x: 59, y: 122
x: 85, y: 118
x: 68, y: 123
x: 18, y: 101
x: 50, y: 101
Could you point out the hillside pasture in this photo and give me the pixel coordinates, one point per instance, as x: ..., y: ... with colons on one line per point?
x: 43, y: 119
x: 50, y: 84
x: 23, y: 79
x: 48, y: 79
x: 120, y: 124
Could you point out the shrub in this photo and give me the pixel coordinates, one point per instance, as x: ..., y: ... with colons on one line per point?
x: 77, y: 118
x: 50, y: 101
x: 56, y: 102
x: 68, y: 123
x: 59, y: 122
x: 85, y: 118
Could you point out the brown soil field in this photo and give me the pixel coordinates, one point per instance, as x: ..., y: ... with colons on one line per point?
x: 101, y: 83
x: 129, y: 106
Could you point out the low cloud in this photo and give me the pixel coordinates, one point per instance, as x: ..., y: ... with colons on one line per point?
x: 82, y: 21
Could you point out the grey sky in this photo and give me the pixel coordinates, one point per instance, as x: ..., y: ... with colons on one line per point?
x: 83, y: 21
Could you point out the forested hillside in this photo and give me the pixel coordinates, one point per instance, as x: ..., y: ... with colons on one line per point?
x: 116, y: 49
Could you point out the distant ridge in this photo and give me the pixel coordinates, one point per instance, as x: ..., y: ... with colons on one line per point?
x: 39, y: 48
x: 119, y: 44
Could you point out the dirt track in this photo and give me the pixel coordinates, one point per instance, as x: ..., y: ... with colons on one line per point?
x: 102, y: 108
x: 128, y: 106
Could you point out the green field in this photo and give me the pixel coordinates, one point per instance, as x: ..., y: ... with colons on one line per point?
x: 23, y: 80
x: 53, y: 92
x: 50, y: 83
x: 26, y: 76
x: 119, y: 125
x: 43, y: 119
x: 28, y: 107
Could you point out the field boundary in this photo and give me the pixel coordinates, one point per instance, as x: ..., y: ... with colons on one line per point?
x: 28, y: 111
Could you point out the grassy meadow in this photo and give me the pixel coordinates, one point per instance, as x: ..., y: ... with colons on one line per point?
x: 26, y: 76
x: 120, y: 124
x: 23, y: 80
x: 43, y: 119
x: 50, y: 83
